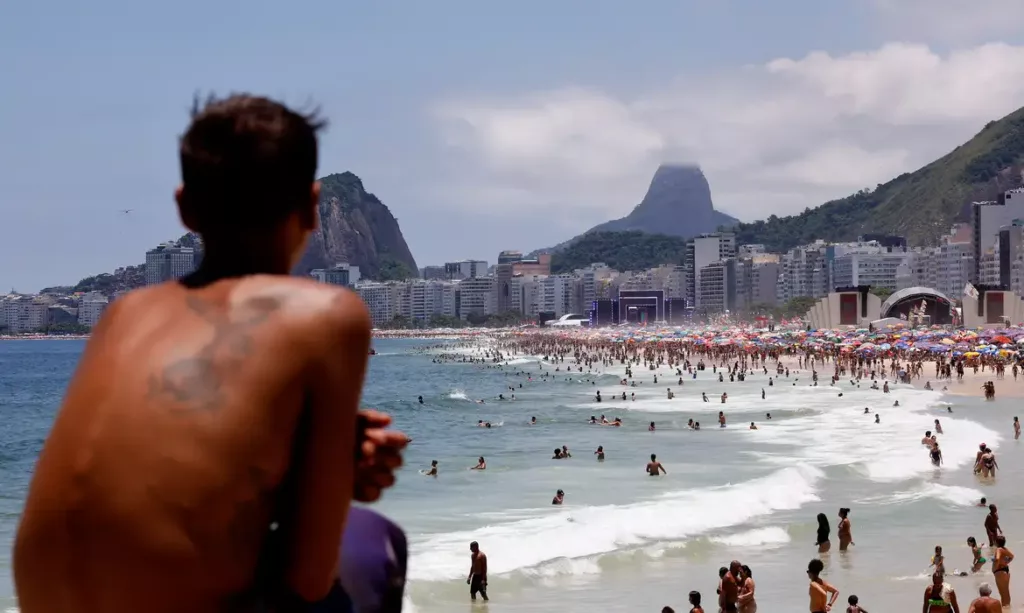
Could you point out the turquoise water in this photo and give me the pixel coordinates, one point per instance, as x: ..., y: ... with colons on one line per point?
x: 623, y: 541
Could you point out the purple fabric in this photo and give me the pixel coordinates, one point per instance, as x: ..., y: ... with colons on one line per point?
x: 373, y: 554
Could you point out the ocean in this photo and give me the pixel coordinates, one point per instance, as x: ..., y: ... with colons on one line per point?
x: 624, y: 541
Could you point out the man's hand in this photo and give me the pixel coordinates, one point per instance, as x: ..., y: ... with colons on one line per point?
x: 379, y: 453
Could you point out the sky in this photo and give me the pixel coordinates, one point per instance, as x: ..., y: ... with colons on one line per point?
x: 485, y: 125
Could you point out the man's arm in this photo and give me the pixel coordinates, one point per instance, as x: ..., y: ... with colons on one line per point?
x: 325, y: 466
x: 953, y: 602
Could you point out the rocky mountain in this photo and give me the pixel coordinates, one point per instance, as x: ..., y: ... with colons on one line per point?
x: 920, y: 205
x: 357, y: 228
x: 677, y: 203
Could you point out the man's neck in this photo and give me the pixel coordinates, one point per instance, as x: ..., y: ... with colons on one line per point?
x: 215, y: 267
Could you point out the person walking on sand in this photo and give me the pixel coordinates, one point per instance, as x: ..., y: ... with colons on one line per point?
x: 477, y: 579
x: 1016, y: 427
x: 1001, y: 569
x: 207, y: 409
x: 984, y: 603
x: 823, y: 595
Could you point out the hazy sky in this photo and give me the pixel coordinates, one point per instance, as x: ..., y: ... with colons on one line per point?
x: 485, y: 125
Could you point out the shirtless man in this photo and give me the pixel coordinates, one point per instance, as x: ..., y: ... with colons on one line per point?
x: 984, y: 603
x: 654, y: 467
x: 204, y: 457
x: 477, y: 579
x: 822, y: 594
x: 729, y: 594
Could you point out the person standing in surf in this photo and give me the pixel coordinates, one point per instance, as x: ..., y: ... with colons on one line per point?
x: 823, y: 595
x: 729, y: 594
x: 845, y: 530
x: 992, y: 527
x: 477, y: 579
x: 824, y: 530
x: 654, y: 467
x: 1016, y: 422
x: 939, y: 597
x: 1001, y: 570
x: 984, y: 603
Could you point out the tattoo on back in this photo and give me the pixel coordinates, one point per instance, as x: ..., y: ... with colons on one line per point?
x: 195, y: 383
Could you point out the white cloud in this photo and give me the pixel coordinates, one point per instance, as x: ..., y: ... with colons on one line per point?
x: 949, y: 20
x: 774, y: 138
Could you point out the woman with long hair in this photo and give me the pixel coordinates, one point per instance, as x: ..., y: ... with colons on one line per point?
x: 824, y: 530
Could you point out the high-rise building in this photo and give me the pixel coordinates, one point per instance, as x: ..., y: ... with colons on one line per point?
x: 340, y: 274
x: 702, y: 251
x: 988, y: 217
x: 91, y: 307
x: 429, y: 273
x: 477, y: 296
x: 169, y: 261
x: 465, y: 269
x: 509, y: 257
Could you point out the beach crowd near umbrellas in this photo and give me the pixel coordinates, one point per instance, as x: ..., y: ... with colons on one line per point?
x: 941, y: 343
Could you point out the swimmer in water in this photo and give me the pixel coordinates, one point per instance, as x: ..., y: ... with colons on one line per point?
x: 559, y: 497
x: 480, y: 464
x: 878, y: 419
x: 753, y: 426
x: 432, y: 471
x: 938, y: 427
x: 721, y: 419
x: 654, y: 467
x: 650, y: 428
x: 600, y: 453
x: 420, y: 398
x: 533, y: 421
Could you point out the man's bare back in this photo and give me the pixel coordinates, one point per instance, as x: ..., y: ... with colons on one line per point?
x: 157, y: 485
x: 205, y: 453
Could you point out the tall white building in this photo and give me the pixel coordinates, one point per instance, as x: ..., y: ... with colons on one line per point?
x: 867, y: 266
x: 91, y: 307
x: 559, y: 295
x: 383, y: 300
x: 478, y: 296
x: 704, y: 250
x: 342, y: 274
x: 429, y: 298
x: 804, y: 272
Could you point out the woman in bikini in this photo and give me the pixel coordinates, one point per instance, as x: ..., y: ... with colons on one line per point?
x: 845, y: 533
x: 746, y: 601
x: 979, y: 560
x: 1001, y: 570
x: 823, y: 533
x: 939, y: 597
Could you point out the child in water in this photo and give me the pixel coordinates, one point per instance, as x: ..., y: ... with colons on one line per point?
x: 979, y: 560
x: 854, y: 607
x: 938, y: 561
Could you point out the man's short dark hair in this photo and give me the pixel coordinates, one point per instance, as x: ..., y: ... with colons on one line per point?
x: 247, y: 161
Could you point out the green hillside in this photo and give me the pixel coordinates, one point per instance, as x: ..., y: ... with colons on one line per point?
x: 921, y: 205
x: 634, y: 250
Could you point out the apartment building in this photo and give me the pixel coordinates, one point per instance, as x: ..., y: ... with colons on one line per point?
x: 91, y: 307
x: 169, y: 261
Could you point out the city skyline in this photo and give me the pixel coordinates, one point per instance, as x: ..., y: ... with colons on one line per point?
x: 468, y: 129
